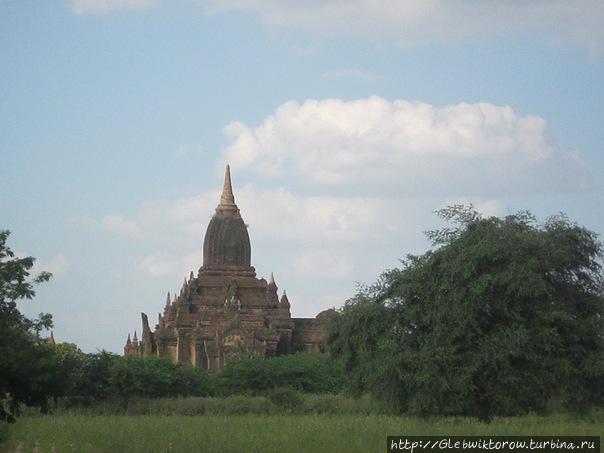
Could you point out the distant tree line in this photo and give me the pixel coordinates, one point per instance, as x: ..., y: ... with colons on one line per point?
x: 89, y: 378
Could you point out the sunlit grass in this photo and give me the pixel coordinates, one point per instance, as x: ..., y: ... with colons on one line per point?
x: 263, y: 433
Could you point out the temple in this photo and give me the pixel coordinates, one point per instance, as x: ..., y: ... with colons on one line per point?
x: 225, y: 311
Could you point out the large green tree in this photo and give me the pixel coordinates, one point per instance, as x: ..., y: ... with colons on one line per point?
x: 503, y: 316
x: 27, y: 364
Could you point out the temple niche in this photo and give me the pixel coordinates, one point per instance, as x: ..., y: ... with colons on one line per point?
x: 225, y: 311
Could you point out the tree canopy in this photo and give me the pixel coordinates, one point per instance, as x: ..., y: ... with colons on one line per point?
x: 27, y: 366
x: 502, y: 317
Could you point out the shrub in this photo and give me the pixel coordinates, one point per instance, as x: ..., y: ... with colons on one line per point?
x: 308, y: 373
x: 285, y: 399
x: 157, y: 377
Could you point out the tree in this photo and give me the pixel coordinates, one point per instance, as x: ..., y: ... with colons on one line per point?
x: 95, y: 377
x: 501, y: 318
x: 356, y: 338
x: 27, y: 364
x: 70, y: 360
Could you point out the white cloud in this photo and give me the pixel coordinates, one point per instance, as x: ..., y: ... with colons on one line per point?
x: 487, y: 208
x: 274, y: 213
x: 107, y: 6
x: 414, y: 22
x: 157, y: 264
x: 160, y: 220
x: 334, y: 240
x: 282, y: 214
x: 410, y: 22
x: 322, y: 265
x: 57, y: 265
x: 350, y: 188
x: 412, y: 145
x: 162, y: 264
x: 122, y: 227
x: 333, y: 300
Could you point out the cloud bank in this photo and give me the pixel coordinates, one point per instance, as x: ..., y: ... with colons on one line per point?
x: 347, y: 187
x: 270, y: 213
x: 417, y: 22
x: 58, y: 265
x: 410, y: 22
x: 371, y: 144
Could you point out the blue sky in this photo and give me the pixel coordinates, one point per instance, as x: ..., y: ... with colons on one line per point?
x: 346, y: 125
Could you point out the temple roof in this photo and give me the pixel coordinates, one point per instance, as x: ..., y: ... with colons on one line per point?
x: 226, y: 243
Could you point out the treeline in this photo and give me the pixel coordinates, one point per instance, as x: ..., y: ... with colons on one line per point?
x: 86, y: 379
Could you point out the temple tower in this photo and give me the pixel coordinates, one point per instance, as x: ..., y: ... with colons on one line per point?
x: 226, y: 246
x: 225, y: 311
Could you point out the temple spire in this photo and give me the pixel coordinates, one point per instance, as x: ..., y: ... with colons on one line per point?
x: 284, y: 300
x: 227, y: 199
x: 272, y: 280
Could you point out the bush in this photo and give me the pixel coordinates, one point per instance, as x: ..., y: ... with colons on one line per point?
x: 83, y: 379
x: 286, y: 399
x: 157, y: 377
x: 308, y: 373
x: 93, y: 378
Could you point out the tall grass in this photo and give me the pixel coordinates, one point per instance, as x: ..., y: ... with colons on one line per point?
x: 262, y: 433
x: 275, y: 402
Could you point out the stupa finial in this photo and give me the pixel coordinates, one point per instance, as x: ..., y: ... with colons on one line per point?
x: 227, y: 199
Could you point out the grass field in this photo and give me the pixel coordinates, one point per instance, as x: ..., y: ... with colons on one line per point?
x: 261, y: 433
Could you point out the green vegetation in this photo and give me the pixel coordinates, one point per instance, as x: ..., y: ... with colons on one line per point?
x: 309, y: 373
x: 278, y: 401
x: 261, y: 433
x: 84, y: 378
x: 156, y: 377
x: 504, y: 317
x: 27, y: 366
x: 89, y: 379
